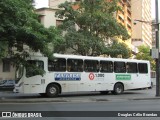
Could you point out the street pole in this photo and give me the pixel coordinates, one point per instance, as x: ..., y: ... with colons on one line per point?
x: 157, y: 47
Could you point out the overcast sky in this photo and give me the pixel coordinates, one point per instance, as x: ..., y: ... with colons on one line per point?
x: 41, y: 3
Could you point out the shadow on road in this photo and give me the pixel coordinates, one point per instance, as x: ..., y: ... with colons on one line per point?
x: 10, y: 95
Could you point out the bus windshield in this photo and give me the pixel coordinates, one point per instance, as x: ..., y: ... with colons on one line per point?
x: 19, y: 73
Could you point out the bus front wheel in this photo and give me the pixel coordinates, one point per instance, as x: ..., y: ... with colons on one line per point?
x: 118, y: 89
x: 52, y: 90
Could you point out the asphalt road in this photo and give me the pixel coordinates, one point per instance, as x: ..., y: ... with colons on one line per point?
x: 121, y: 107
x: 134, y: 101
x: 9, y: 97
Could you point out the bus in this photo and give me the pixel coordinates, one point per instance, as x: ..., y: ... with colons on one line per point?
x: 75, y: 73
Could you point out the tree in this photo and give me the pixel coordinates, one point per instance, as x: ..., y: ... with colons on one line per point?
x: 95, y: 22
x: 116, y: 49
x: 144, y: 54
x: 58, y: 45
x: 19, y: 26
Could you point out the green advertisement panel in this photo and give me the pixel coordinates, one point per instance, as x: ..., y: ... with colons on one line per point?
x: 123, y: 77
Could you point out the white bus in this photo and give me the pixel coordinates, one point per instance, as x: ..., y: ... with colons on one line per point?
x: 73, y: 73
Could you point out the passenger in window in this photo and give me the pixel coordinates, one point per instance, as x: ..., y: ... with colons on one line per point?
x: 97, y: 67
x: 68, y: 68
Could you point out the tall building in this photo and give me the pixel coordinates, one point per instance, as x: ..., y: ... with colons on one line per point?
x: 124, y: 17
x: 141, y: 32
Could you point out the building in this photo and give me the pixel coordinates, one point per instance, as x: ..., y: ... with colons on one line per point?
x: 125, y: 18
x: 47, y: 17
x: 141, y: 32
x: 7, y: 73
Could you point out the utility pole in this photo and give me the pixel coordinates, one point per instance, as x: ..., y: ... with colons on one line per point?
x: 157, y: 47
x: 157, y: 58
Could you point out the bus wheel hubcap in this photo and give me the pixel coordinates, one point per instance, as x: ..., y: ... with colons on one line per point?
x: 52, y: 90
x: 119, y: 90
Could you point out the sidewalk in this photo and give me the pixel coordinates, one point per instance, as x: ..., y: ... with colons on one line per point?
x: 146, y: 94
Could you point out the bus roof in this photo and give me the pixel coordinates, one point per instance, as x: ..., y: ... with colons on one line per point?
x: 96, y: 58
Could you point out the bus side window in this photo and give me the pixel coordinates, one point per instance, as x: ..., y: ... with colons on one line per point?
x: 34, y: 67
x: 91, y: 66
x: 106, y: 66
x: 57, y: 64
x: 131, y: 67
x: 74, y: 65
x: 142, y: 67
x: 119, y: 67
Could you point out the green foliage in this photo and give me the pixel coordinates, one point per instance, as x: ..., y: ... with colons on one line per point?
x: 116, y: 49
x: 58, y: 44
x: 3, y: 49
x: 144, y: 54
x: 19, y: 26
x: 95, y: 24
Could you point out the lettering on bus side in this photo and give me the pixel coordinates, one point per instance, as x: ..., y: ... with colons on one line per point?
x: 93, y: 76
x: 123, y: 77
x: 67, y: 76
x: 99, y: 75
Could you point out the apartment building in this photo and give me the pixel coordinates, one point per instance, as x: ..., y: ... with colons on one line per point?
x: 47, y: 17
x: 125, y: 18
x: 141, y: 32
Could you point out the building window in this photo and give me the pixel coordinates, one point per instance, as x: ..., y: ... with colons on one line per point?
x: 6, y: 65
x: 59, y: 22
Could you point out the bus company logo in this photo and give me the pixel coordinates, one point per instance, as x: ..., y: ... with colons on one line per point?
x: 91, y: 76
x: 20, y: 114
x: 67, y: 76
x: 6, y: 114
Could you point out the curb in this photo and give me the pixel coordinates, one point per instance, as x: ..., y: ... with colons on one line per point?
x: 155, y: 98
x: 6, y: 100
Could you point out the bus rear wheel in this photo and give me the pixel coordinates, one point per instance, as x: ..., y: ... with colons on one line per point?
x: 52, y: 90
x: 118, y: 89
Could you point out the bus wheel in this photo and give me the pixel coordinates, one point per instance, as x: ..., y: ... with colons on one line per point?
x: 104, y: 92
x: 118, y: 89
x: 52, y: 90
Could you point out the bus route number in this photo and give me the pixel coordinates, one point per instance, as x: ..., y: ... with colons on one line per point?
x: 99, y: 75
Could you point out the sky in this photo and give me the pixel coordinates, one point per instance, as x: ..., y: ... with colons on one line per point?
x: 41, y: 3
x: 44, y: 3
